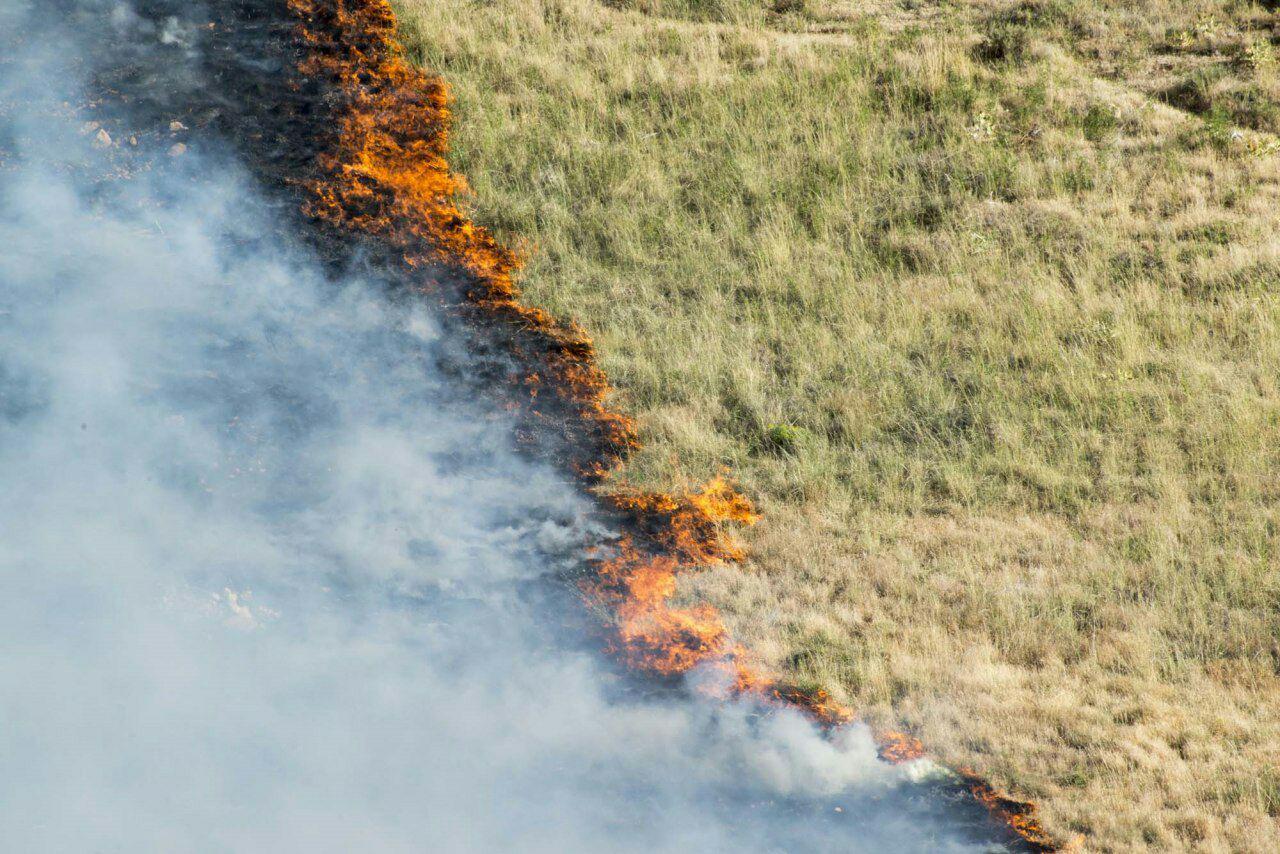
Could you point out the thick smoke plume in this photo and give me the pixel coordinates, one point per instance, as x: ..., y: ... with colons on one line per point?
x: 273, y: 581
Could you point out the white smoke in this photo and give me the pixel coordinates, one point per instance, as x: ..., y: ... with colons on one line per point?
x: 269, y: 583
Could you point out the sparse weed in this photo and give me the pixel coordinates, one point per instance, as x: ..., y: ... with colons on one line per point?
x: 1260, y: 146
x: 1260, y: 56
x: 1208, y: 26
x: 983, y: 128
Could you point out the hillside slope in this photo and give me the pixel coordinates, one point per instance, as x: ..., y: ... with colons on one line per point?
x: 980, y: 301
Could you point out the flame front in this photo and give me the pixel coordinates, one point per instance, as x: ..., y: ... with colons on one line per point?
x: 386, y: 177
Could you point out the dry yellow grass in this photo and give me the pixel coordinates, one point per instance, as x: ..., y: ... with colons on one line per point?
x: 981, y: 303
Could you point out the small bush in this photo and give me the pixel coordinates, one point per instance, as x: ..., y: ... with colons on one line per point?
x: 1217, y: 126
x: 1099, y: 122
x: 1006, y: 41
x: 1254, y: 108
x: 790, y: 7
x: 1010, y: 33
x: 1260, y: 56
x: 785, y: 438
x: 1075, y: 779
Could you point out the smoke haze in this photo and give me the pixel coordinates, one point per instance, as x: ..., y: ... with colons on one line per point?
x: 273, y: 582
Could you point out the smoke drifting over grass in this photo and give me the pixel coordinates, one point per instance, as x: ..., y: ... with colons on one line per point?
x: 273, y: 582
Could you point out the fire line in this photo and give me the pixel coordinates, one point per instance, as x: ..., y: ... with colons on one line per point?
x: 386, y: 177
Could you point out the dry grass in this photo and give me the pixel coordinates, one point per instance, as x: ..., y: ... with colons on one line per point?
x: 983, y: 310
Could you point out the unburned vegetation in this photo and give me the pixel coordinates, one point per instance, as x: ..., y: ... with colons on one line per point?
x: 980, y: 302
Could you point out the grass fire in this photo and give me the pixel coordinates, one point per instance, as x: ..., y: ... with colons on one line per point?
x: 389, y: 177
x: 639, y: 425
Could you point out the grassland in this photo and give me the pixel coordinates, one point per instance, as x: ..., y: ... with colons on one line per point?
x: 980, y: 302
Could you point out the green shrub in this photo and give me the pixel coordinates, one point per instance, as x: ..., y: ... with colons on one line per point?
x: 1099, y: 122
x: 1006, y: 41
x: 785, y: 438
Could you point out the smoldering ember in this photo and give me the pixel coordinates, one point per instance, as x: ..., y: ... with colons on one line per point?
x: 317, y: 534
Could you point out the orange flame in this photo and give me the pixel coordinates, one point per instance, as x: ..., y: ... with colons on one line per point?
x: 1020, y: 816
x: 387, y: 177
x: 898, y: 747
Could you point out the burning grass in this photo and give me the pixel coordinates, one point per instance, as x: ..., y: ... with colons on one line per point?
x: 1022, y: 314
x: 386, y: 178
